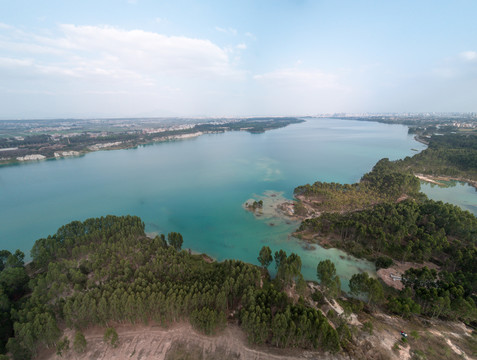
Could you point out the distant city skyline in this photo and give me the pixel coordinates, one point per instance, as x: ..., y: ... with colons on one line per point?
x: 138, y: 58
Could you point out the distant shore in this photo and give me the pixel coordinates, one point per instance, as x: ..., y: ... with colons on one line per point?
x: 22, y: 149
x: 97, y: 147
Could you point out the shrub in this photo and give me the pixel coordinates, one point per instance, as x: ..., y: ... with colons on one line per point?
x: 111, y: 337
x: 79, y: 343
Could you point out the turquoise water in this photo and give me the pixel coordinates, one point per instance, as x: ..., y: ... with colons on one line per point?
x: 197, y: 186
x: 456, y: 192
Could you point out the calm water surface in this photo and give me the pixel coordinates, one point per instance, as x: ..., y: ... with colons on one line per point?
x: 456, y: 192
x: 197, y: 187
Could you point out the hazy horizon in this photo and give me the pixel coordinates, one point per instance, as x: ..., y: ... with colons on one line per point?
x: 140, y: 58
x: 471, y: 115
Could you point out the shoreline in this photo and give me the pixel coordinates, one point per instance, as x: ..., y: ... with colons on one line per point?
x: 435, y: 180
x: 251, y: 125
x: 97, y: 147
x: 420, y: 140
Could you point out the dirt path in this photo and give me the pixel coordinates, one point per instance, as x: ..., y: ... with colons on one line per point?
x: 152, y: 342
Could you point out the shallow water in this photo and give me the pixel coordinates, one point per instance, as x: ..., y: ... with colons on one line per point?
x: 455, y: 192
x: 198, y: 187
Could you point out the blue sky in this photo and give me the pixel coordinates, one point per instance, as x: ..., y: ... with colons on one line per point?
x: 235, y: 58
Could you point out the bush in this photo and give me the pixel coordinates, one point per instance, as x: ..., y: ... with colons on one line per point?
x: 111, y: 337
x: 368, y: 326
x: 383, y: 262
x: 318, y: 297
x: 63, y: 346
x: 79, y: 343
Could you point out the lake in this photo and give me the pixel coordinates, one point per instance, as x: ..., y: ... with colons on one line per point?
x: 455, y: 192
x: 197, y: 187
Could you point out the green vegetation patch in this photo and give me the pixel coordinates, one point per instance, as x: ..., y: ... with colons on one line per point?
x: 453, y: 155
x: 105, y: 270
x: 386, y: 182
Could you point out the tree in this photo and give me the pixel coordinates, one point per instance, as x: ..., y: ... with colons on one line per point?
x: 289, y: 269
x: 161, y: 240
x: 175, y: 240
x: 265, y: 256
x: 4, y: 254
x: 207, y: 320
x: 14, y: 281
x: 279, y: 330
x: 326, y: 274
x: 280, y: 256
x: 363, y: 285
x: 15, y: 260
x: 18, y: 351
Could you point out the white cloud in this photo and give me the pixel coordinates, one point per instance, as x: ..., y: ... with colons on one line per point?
x: 146, y: 51
x: 469, y: 55
x: 108, y: 51
x: 114, y: 71
x: 230, y: 31
x: 241, y: 46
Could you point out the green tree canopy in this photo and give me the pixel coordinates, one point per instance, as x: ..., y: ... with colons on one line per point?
x: 175, y: 240
x: 265, y: 256
x: 326, y: 274
x: 363, y: 285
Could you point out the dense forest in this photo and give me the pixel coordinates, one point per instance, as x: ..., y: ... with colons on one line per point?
x: 384, y: 218
x: 105, y: 271
x: 453, y: 155
x: 412, y: 231
x: 386, y: 182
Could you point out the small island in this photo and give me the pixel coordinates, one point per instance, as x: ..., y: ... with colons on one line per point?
x: 254, y: 205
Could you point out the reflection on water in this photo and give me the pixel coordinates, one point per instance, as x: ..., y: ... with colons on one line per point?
x: 453, y: 192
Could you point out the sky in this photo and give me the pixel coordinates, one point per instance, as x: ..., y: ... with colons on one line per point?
x: 204, y: 58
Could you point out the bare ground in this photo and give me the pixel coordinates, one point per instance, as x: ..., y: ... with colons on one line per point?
x: 140, y: 342
x: 434, y: 339
x: 391, y: 275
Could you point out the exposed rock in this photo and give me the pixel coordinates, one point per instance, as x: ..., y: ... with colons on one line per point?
x: 66, y: 153
x: 31, y: 157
